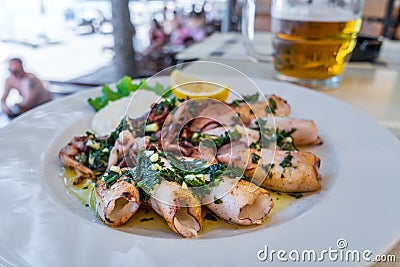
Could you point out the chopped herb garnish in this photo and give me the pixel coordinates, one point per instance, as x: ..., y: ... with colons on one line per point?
x: 287, y: 161
x: 267, y: 168
x: 251, y: 98
x: 153, y: 139
x: 146, y: 219
x: 247, y: 99
x: 211, y: 217
x: 225, y: 138
x: 284, y: 139
x: 185, y: 165
x: 110, y: 181
x: 271, y: 107
x: 217, y: 201
x: 254, y: 158
x: 296, y: 195
x: 266, y: 133
x: 234, y: 135
x: 114, y: 134
x: 170, y: 176
x: 170, y: 102
x: 236, y: 172
x: 196, y: 175
x: 235, y: 103
x: 255, y: 145
x: 144, y: 175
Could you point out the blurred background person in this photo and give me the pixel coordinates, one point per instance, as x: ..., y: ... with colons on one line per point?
x: 170, y: 25
x: 157, y: 38
x: 31, y: 89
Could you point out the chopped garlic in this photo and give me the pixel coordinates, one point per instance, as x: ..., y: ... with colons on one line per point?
x: 154, y: 157
x: 156, y: 167
x: 91, y: 161
x: 115, y: 169
x: 189, y: 177
x: 105, y: 150
x: 201, y: 176
x: 89, y: 142
x: 184, y: 185
x: 152, y: 127
x: 149, y: 152
x: 289, y: 139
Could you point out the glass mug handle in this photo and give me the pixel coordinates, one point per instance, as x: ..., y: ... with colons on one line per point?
x: 248, y: 20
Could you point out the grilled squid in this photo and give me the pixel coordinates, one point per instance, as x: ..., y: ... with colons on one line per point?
x: 117, y: 203
x: 211, y: 113
x: 295, y: 171
x: 178, y: 206
x: 272, y: 105
x: 244, y: 134
x: 239, y: 201
x: 125, y: 145
x: 285, y: 171
x: 67, y: 157
x: 305, y: 131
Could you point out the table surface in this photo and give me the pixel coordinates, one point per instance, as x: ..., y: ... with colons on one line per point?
x: 374, y: 88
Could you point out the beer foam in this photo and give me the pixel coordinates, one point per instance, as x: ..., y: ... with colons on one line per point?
x: 318, y: 12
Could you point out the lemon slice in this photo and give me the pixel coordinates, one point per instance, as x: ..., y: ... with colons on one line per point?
x: 184, y: 85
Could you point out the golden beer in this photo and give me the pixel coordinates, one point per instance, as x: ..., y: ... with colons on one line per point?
x: 313, y: 49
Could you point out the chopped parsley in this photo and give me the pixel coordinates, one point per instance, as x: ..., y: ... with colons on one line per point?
x: 235, y: 103
x: 226, y: 138
x: 269, y: 135
x: 271, y: 107
x: 217, y: 201
x: 255, y: 145
x: 236, y: 172
x: 284, y: 139
x: 98, y: 150
x: 246, y: 99
x: 254, y: 158
x: 296, y: 195
x: 144, y: 175
x: 251, y: 98
x: 146, y: 219
x: 268, y: 169
x: 211, y: 217
x: 287, y: 161
x: 171, y: 103
x: 266, y: 133
x: 111, y: 177
x: 196, y: 175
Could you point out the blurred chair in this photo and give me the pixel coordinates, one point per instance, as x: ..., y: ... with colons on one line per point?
x: 379, y: 18
x: 263, y: 19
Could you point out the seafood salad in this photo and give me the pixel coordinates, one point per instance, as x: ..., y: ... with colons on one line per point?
x: 186, y: 154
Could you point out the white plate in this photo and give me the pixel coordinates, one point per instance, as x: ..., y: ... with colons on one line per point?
x: 42, y: 225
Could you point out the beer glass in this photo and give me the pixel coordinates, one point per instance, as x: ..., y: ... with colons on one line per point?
x: 312, y: 39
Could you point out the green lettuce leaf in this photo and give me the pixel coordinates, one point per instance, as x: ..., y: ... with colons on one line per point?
x: 124, y: 88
